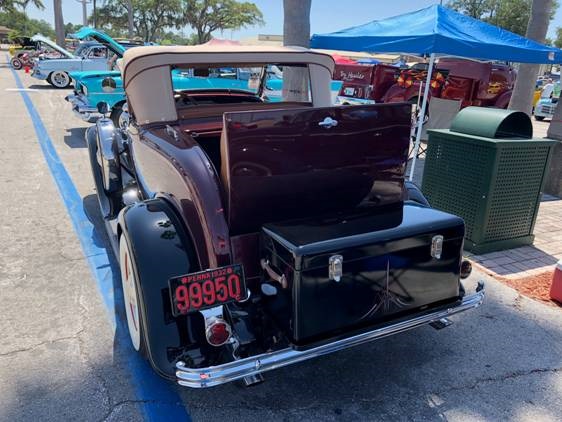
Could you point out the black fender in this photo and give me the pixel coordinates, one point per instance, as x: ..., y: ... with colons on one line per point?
x: 161, y: 249
x: 414, y: 193
x: 109, y: 200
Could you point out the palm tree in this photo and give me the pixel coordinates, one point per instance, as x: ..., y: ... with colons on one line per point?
x: 522, y: 97
x: 296, y: 32
x: 130, y: 19
x: 59, y: 22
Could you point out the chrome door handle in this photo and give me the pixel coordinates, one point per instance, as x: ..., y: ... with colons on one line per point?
x: 328, y: 122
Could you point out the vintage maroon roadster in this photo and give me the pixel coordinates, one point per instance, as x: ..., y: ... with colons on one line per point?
x: 254, y: 234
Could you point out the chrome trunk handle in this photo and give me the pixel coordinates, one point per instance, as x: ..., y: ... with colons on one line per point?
x: 280, y: 278
x: 328, y: 122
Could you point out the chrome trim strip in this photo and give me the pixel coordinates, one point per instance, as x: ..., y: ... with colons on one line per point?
x: 220, y: 374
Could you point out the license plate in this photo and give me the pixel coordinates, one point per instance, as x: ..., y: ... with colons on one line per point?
x: 205, y: 289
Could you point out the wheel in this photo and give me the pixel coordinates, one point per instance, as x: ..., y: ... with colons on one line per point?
x: 120, y: 116
x: 539, y: 118
x: 59, y: 79
x: 16, y: 63
x: 129, y: 283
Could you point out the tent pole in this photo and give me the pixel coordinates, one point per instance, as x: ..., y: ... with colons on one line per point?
x: 422, y: 114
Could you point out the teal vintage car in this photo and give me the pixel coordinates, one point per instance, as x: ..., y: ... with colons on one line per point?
x: 95, y: 88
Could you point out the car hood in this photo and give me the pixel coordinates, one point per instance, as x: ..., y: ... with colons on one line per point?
x: 53, y: 45
x: 100, y: 37
x: 94, y: 74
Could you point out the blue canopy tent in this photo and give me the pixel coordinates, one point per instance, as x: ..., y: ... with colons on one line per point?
x: 436, y: 30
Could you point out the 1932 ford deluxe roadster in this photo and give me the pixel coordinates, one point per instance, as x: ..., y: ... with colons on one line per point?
x: 253, y: 235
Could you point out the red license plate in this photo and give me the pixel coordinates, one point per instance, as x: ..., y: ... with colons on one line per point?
x: 205, y: 289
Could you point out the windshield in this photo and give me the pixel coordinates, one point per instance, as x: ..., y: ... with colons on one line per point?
x: 268, y: 82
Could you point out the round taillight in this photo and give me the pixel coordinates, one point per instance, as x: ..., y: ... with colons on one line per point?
x: 218, y: 332
x: 466, y: 268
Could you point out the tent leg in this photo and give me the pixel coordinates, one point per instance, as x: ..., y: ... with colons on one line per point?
x: 422, y: 114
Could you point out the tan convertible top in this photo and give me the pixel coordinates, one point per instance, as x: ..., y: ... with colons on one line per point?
x: 147, y: 80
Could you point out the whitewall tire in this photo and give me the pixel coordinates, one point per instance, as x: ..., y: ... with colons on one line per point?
x: 59, y: 79
x: 130, y: 294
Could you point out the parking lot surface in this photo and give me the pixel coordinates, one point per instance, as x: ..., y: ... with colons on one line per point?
x: 64, y: 351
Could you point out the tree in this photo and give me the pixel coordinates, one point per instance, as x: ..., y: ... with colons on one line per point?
x: 522, y: 97
x: 512, y: 15
x: 22, y: 25
x: 150, y: 17
x: 558, y: 41
x: 296, y: 32
x: 130, y: 18
x: 207, y: 16
x: 473, y: 8
x: 59, y: 22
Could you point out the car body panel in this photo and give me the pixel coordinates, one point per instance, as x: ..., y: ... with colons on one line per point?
x: 53, y: 45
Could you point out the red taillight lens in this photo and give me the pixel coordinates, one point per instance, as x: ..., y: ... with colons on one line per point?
x: 218, y: 332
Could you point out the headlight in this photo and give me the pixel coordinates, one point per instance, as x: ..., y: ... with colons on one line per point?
x: 84, y: 89
x: 108, y: 84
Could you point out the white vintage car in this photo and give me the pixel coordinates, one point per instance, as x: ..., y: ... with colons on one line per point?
x: 94, y: 56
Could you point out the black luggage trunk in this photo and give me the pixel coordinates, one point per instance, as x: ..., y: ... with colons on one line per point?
x: 388, y: 270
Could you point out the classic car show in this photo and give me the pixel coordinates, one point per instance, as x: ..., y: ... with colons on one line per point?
x: 357, y: 219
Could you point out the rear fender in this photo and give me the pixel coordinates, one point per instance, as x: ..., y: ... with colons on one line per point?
x: 503, y: 100
x: 162, y: 250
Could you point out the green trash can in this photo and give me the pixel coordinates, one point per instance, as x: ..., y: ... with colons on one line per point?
x: 489, y: 170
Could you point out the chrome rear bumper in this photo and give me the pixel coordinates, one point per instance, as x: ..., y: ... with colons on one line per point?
x: 220, y: 374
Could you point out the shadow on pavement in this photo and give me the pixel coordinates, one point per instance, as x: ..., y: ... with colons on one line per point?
x: 48, y: 87
x: 75, y: 138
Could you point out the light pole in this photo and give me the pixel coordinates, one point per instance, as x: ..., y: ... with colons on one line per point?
x: 94, y: 14
x: 85, y: 11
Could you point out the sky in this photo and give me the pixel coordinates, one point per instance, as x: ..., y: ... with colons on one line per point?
x: 325, y: 15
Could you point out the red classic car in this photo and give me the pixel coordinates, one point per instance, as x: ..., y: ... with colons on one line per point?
x: 253, y: 235
x: 364, y: 83
x: 475, y: 83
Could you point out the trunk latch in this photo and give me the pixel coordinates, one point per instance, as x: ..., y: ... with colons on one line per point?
x: 336, y: 267
x: 437, y: 246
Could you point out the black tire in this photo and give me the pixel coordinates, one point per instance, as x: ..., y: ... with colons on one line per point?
x: 115, y: 116
x: 131, y: 293
x: 539, y: 118
x: 16, y: 63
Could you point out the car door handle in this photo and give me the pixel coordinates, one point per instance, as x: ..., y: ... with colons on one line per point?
x: 328, y: 122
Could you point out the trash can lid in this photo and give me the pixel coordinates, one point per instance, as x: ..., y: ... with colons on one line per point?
x: 493, y: 123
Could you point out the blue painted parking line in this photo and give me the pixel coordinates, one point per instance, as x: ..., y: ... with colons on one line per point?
x: 158, y: 397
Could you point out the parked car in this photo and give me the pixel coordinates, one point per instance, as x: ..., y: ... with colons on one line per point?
x: 364, y: 83
x: 253, y: 235
x: 95, y: 57
x: 95, y: 88
x: 477, y: 83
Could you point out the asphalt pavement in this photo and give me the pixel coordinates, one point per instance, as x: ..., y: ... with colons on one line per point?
x: 64, y: 351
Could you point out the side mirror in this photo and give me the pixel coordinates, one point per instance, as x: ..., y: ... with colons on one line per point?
x: 103, y: 108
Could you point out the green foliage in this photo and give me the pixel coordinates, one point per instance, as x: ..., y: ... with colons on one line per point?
x: 10, y: 5
x: 154, y: 19
x: 558, y: 41
x: 512, y: 15
x: 207, y: 16
x: 151, y: 17
x: 21, y: 25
